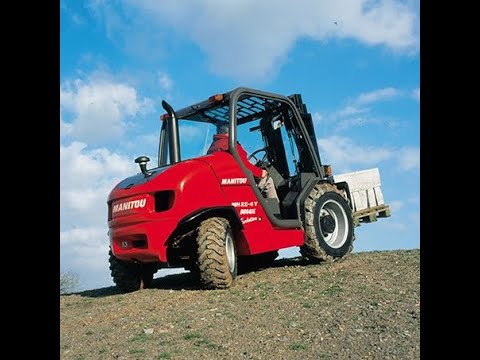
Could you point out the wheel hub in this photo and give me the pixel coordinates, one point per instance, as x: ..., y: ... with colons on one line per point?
x: 230, y: 252
x: 327, y: 224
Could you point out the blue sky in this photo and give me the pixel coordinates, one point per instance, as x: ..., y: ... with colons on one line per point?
x: 355, y: 62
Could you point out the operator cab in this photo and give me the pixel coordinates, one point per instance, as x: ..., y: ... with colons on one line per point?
x: 285, y: 155
x: 276, y: 131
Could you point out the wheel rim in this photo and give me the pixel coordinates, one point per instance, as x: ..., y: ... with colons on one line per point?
x: 333, y: 223
x: 230, y: 250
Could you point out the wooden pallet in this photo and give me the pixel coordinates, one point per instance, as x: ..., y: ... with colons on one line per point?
x: 371, y: 214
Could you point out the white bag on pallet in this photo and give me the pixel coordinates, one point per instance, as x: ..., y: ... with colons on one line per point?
x: 364, y: 187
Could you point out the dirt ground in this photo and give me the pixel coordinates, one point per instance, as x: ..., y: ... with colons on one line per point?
x: 366, y: 306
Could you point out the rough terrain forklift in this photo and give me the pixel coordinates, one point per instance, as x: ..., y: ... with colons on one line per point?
x: 205, y: 213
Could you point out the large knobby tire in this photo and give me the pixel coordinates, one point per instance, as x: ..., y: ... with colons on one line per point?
x: 329, y: 227
x: 217, y: 254
x: 130, y: 276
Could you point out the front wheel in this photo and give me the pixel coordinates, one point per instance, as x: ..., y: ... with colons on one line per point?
x: 217, y: 255
x: 329, y: 224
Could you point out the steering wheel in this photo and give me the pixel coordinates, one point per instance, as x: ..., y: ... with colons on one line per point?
x: 260, y: 161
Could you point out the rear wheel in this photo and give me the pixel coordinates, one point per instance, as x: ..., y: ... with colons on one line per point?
x: 329, y: 224
x: 129, y: 276
x: 217, y: 256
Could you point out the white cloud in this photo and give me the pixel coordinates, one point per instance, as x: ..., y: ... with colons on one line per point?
x: 351, y: 110
x: 409, y: 158
x: 93, y: 109
x: 349, y: 123
x: 345, y: 155
x: 86, y: 178
x: 87, y: 247
x: 395, y: 205
x: 317, y: 117
x: 104, y: 11
x: 259, y: 35
x: 416, y: 94
x: 148, y: 142
x: 356, y: 112
x: 377, y: 95
x: 84, y: 252
x: 166, y: 82
x: 75, y: 18
x: 65, y: 128
x: 356, y: 121
x: 99, y: 107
